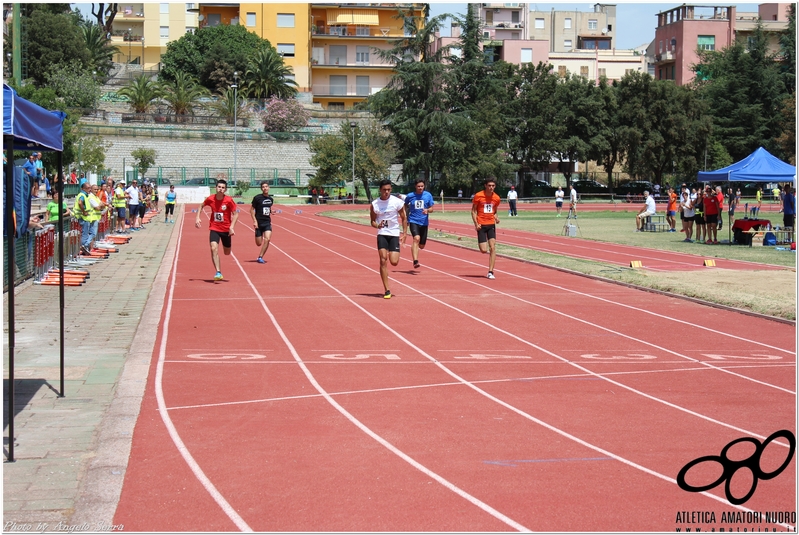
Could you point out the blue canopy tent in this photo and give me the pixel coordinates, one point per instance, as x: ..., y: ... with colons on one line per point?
x: 760, y: 166
x: 27, y: 126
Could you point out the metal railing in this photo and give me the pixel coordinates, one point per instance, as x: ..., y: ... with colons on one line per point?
x: 201, y: 134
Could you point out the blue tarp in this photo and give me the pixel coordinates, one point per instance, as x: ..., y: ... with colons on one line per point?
x: 760, y: 166
x: 22, y: 201
x: 32, y: 126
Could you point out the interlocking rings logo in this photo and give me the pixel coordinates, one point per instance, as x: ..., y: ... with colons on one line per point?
x: 730, y: 467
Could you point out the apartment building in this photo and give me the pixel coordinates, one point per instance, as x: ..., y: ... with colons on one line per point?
x: 575, y: 30
x: 683, y: 30
x: 142, y: 30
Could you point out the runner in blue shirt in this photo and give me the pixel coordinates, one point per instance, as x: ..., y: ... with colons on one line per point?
x: 417, y: 206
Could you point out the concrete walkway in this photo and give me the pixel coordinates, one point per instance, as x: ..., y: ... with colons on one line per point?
x: 71, y: 453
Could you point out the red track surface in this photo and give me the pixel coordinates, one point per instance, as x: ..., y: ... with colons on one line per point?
x: 293, y: 397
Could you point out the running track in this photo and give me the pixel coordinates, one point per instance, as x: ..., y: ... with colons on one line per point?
x: 293, y: 397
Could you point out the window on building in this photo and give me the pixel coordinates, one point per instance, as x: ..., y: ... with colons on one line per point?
x: 338, y: 30
x: 539, y: 24
x: 527, y: 55
x: 286, y: 50
x: 673, y: 77
x: 164, y: 32
x: 584, y: 71
x: 515, y: 36
x: 214, y: 19
x: 562, y: 71
x: 250, y: 20
x: 338, y: 85
x: 362, y: 55
x: 706, y: 42
x: 362, y: 86
x: 514, y: 17
x: 285, y: 20
x: 567, y: 44
x: 603, y: 73
x: 164, y: 8
x: 567, y: 23
x: 489, y: 17
x: 660, y: 47
x: 335, y: 106
x: 363, y: 31
x: 289, y: 77
x: 338, y: 54
x: 592, y: 24
x: 486, y: 35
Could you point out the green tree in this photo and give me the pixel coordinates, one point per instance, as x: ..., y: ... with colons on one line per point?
x: 141, y: 92
x: 52, y: 40
x: 182, y: 95
x: 144, y: 159
x: 101, y: 51
x: 415, y: 105
x: 204, y: 52
x: 92, y: 153
x: 579, y: 116
x: 787, y: 138
x: 787, y: 54
x: 229, y: 104
x: 74, y: 85
x: 266, y: 76
x: 743, y: 90
x: 609, y: 148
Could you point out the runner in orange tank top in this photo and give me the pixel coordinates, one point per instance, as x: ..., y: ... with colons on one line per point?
x: 485, y: 214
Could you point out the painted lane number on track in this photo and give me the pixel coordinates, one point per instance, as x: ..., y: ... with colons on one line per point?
x: 643, y: 356
x: 225, y: 356
x: 361, y: 356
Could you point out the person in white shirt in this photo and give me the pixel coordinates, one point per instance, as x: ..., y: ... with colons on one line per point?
x: 573, y: 201
x: 387, y: 214
x: 133, y: 205
x: 512, y: 196
x: 559, y: 200
x: 648, y: 209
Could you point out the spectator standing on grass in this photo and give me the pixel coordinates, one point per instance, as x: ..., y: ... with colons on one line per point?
x: 755, y: 212
x: 697, y: 201
x: 222, y: 223
x: 732, y: 203
x: 671, y: 210
x: 512, y: 196
x: 720, y: 198
x: 418, y: 204
x: 687, y: 211
x: 788, y: 207
x: 559, y: 200
x: 154, y: 198
x: 460, y: 193
x: 573, y: 201
x: 485, y: 216
x: 711, y: 203
x: 647, y: 210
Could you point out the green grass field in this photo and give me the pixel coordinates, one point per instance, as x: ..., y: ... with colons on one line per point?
x: 770, y: 292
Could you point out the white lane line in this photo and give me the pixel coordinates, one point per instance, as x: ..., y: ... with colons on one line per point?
x: 483, y: 287
x: 432, y: 385
x: 386, y: 444
x: 561, y: 288
x: 528, y: 343
x: 162, y: 410
x: 463, y: 381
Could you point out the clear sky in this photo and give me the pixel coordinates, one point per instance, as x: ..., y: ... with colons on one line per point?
x: 635, y: 21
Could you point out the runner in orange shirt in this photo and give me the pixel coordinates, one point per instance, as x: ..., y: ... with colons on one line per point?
x: 485, y: 215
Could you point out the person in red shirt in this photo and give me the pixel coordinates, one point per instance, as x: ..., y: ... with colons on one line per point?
x: 485, y: 216
x: 711, y: 203
x: 224, y: 215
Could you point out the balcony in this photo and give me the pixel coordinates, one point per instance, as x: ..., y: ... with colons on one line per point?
x: 503, y: 25
x: 129, y: 12
x: 357, y: 64
x: 350, y: 32
x: 343, y: 91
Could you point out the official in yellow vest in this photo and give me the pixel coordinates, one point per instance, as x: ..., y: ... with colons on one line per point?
x: 81, y: 210
x: 120, y: 200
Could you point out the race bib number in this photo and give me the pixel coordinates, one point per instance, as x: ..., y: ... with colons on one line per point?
x: 488, y: 208
x: 267, y: 210
x: 419, y: 204
x: 219, y: 217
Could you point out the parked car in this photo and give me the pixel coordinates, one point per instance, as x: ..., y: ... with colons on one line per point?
x: 286, y: 182
x: 634, y: 189
x: 539, y: 188
x: 589, y: 186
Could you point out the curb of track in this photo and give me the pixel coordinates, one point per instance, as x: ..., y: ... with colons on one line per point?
x: 633, y: 286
